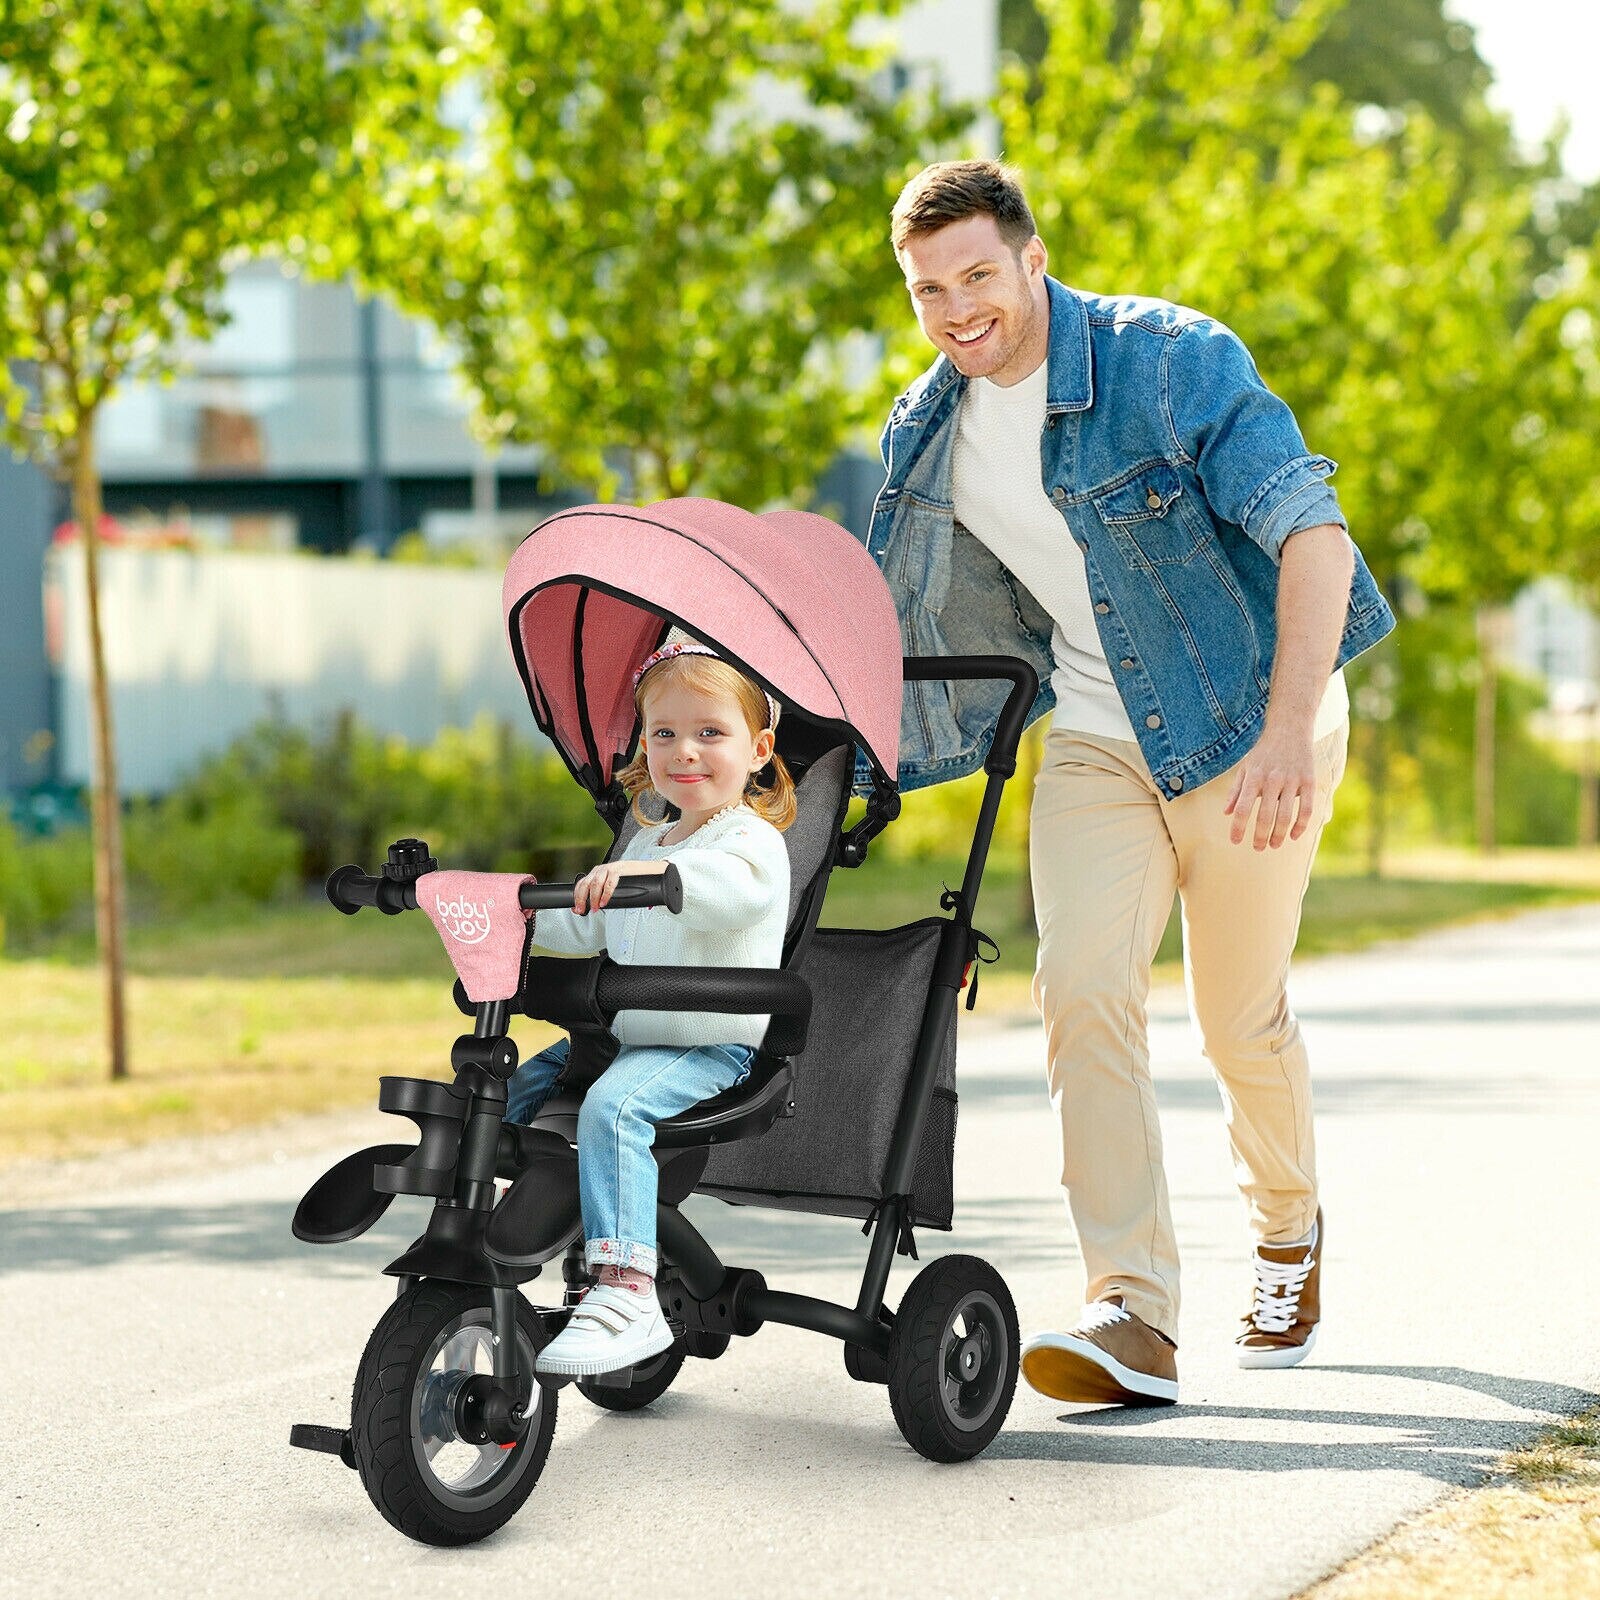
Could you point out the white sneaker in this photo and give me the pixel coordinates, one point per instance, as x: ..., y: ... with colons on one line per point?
x: 610, y: 1328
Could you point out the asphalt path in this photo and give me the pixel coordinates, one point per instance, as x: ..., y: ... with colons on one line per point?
x: 170, y: 1329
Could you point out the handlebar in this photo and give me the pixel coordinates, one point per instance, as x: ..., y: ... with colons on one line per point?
x: 1024, y: 683
x: 349, y: 889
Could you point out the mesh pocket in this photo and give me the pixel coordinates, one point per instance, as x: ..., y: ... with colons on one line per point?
x: 869, y: 991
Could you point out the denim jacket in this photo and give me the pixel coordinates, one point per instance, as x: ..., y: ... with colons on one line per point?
x: 1179, y: 475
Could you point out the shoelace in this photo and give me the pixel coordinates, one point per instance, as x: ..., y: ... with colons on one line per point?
x: 1101, y: 1314
x: 1278, y: 1286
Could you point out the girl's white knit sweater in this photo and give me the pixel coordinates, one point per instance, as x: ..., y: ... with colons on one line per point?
x: 735, y: 872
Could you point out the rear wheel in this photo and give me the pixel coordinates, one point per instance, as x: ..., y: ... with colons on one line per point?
x: 953, y: 1355
x: 412, y: 1416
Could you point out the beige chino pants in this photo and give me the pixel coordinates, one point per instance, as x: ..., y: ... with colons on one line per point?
x: 1107, y: 852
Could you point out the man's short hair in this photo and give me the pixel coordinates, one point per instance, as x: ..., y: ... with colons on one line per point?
x: 952, y: 191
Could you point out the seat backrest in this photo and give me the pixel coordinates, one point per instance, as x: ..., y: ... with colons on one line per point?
x: 822, y: 792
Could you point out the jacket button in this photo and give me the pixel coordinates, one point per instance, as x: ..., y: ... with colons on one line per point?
x: 1152, y: 721
x: 1083, y: 544
x: 1175, y: 784
x: 1058, y: 493
x: 1127, y: 661
x: 1153, y: 500
x: 1102, y: 607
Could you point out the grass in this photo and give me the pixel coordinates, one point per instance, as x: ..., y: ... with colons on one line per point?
x: 243, y: 1017
x: 1532, y: 1532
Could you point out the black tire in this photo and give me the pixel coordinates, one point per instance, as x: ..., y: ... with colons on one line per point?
x: 953, y: 1356
x: 651, y: 1380
x: 401, y: 1417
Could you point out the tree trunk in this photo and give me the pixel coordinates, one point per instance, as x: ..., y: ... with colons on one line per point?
x: 1483, y: 738
x: 105, y: 802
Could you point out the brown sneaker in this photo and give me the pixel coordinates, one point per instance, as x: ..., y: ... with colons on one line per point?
x: 1281, y: 1325
x: 1111, y: 1358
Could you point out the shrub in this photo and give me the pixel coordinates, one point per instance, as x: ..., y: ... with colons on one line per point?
x: 43, y: 882
x: 483, y: 799
x: 232, y: 852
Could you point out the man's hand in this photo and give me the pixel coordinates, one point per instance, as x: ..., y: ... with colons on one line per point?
x: 1280, y: 771
x: 592, y: 892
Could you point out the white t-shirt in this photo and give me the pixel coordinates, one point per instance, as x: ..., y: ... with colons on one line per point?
x: 999, y: 497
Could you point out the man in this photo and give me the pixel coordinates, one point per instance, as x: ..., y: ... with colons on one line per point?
x: 1105, y: 488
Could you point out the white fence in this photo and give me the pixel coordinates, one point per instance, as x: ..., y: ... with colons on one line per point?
x: 199, y: 648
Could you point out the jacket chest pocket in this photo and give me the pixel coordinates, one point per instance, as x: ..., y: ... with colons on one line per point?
x: 921, y: 564
x: 1147, y: 516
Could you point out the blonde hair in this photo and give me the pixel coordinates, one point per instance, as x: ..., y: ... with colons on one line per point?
x: 774, y: 801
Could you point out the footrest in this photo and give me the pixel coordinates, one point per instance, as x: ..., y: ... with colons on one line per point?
x: 342, y: 1203
x: 539, y: 1215
x: 331, y: 1441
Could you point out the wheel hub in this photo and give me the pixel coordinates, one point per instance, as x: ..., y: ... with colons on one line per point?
x: 972, y: 1376
x: 969, y: 1357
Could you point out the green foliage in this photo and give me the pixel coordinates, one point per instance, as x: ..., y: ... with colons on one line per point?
x: 483, y: 800
x: 650, y: 266
x: 145, y: 147
x: 42, y: 881
x: 187, y: 859
x: 1418, y: 692
x: 282, y: 807
x: 1390, y: 53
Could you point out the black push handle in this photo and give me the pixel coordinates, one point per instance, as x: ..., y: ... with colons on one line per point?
x: 349, y: 889
x: 1024, y: 681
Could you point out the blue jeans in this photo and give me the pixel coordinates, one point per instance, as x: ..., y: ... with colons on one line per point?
x: 617, y: 1173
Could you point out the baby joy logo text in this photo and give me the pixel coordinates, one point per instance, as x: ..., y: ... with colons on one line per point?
x: 464, y: 921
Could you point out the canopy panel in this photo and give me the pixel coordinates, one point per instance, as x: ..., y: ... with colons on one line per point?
x: 789, y: 596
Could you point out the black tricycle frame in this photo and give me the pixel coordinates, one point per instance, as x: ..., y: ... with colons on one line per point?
x: 465, y: 1144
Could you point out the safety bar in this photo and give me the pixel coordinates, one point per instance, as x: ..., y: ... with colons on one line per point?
x: 594, y: 990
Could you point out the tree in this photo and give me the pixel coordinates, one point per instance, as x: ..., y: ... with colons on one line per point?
x: 145, y: 149
x: 672, y: 218
x: 1396, y: 54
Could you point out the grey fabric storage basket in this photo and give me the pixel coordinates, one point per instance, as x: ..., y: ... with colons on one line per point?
x: 869, y: 990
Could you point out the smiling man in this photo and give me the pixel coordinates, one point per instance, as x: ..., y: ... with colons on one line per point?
x: 1104, y: 487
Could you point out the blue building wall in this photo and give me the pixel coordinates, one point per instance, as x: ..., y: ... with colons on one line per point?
x: 28, y: 501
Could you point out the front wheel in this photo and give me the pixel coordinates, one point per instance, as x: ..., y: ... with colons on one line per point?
x: 953, y: 1354
x: 409, y: 1415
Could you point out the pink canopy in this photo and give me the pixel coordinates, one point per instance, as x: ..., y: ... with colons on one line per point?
x: 788, y: 596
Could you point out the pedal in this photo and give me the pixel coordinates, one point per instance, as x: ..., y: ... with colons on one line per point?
x: 331, y: 1441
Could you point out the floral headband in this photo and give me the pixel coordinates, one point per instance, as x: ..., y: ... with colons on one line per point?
x: 669, y: 652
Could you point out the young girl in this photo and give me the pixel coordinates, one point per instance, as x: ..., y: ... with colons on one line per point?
x: 708, y: 735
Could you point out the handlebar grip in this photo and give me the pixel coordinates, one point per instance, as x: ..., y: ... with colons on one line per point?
x: 630, y: 894
x: 343, y: 889
x: 349, y: 889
